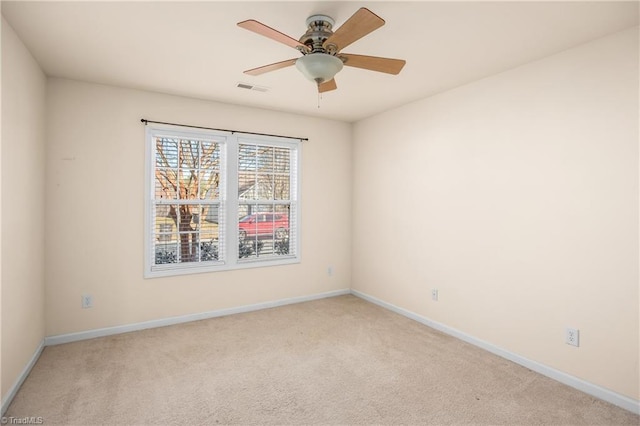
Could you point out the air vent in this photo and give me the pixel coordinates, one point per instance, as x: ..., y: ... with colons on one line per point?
x: 252, y: 87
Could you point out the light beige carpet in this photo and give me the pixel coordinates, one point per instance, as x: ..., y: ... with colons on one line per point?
x: 332, y: 361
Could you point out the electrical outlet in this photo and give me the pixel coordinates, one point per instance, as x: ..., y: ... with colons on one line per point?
x: 87, y: 301
x: 572, y: 336
x: 434, y: 294
x: 330, y: 270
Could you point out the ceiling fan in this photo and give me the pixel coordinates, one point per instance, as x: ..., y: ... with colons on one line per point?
x: 321, y: 48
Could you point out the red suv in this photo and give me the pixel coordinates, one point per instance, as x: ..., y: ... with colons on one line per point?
x: 273, y: 225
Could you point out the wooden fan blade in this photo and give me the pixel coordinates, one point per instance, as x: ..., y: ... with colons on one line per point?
x: 359, y: 25
x: 271, y: 67
x: 264, y: 30
x: 373, y: 63
x: 327, y: 86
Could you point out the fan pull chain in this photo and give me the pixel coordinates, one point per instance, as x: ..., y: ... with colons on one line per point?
x: 319, y: 95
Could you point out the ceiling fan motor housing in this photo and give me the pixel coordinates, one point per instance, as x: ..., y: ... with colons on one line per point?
x: 319, y: 29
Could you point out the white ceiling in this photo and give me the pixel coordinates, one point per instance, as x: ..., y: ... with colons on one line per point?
x: 196, y: 50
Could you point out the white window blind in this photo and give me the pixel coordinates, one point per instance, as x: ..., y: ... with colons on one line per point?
x: 267, y: 208
x: 187, y: 202
x: 192, y: 225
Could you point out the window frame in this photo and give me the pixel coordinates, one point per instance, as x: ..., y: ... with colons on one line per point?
x: 228, y: 198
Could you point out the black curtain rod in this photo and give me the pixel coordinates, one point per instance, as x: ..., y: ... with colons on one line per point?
x: 220, y: 130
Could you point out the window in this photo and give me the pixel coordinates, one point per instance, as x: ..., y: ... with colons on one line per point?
x: 219, y: 201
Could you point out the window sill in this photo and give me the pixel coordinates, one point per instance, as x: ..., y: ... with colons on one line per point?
x: 220, y: 267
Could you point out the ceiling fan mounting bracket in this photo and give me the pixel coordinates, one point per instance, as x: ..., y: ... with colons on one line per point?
x: 320, y: 18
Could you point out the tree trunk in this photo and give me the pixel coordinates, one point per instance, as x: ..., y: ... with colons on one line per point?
x: 188, y: 238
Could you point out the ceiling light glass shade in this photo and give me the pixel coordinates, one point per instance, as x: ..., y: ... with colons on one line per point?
x: 319, y: 67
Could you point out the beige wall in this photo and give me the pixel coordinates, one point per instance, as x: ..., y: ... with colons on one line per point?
x: 94, y: 222
x: 517, y: 197
x: 23, y: 117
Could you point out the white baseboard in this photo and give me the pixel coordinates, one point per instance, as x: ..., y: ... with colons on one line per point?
x: 101, y: 332
x: 567, y: 379
x: 21, y: 378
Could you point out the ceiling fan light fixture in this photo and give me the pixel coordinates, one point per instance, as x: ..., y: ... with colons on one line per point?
x: 319, y: 67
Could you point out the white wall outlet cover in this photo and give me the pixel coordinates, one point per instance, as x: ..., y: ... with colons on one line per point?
x: 572, y: 336
x: 87, y: 301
